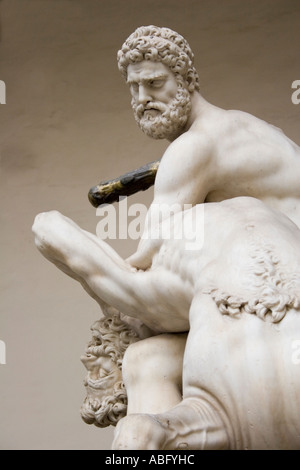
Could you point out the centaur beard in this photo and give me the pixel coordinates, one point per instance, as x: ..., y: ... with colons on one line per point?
x: 161, y: 121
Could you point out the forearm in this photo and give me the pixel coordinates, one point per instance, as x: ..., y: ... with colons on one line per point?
x: 100, y: 270
x: 107, y: 277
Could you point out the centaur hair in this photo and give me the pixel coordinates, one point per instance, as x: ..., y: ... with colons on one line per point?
x: 111, y: 336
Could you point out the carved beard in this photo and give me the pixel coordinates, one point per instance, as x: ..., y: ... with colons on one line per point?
x: 163, y: 121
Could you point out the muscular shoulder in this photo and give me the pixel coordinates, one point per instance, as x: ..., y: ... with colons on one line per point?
x: 185, y: 168
x: 235, y: 122
x: 188, y: 152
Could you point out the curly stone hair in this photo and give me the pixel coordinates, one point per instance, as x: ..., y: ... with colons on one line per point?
x: 110, y: 337
x: 163, y: 45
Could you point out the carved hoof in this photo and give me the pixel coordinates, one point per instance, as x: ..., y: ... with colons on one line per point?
x: 139, y: 432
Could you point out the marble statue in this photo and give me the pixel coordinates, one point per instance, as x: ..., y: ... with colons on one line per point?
x: 201, y: 329
x: 106, y: 400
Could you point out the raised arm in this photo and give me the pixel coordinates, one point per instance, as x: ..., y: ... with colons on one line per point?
x: 109, y: 279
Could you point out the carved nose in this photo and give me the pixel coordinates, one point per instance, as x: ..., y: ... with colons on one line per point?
x: 144, y: 96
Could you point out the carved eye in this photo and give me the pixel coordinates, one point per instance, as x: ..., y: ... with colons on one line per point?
x: 134, y: 87
x: 156, y: 83
x: 103, y: 373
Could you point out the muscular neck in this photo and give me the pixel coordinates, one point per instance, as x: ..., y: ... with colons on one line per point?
x: 199, y: 108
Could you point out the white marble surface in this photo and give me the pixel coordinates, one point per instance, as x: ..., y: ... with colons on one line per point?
x: 238, y: 295
x: 59, y: 138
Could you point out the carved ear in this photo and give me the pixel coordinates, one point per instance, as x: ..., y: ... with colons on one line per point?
x: 190, y: 80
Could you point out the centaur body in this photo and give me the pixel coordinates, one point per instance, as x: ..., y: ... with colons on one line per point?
x: 238, y: 294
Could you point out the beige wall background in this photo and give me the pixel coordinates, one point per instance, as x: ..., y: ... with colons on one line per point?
x: 66, y: 125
